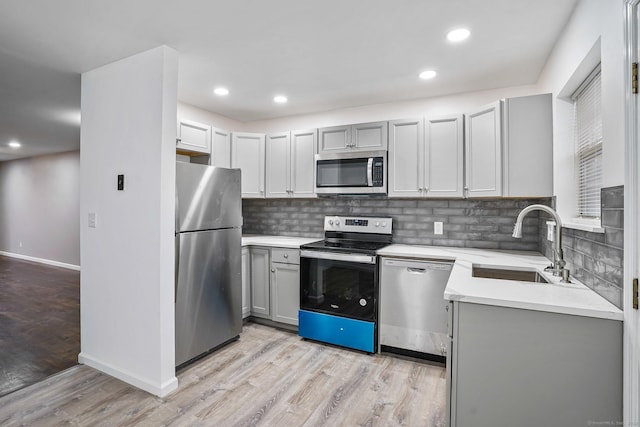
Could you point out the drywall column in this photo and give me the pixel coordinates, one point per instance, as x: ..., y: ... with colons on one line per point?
x: 127, y: 277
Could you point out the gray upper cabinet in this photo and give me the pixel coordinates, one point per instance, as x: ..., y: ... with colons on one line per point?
x: 369, y: 136
x: 248, y: 154
x: 509, y: 148
x: 220, y: 148
x: 360, y: 137
x: 334, y: 139
x: 483, y: 144
x: 444, y: 156
x: 528, y: 146
x: 426, y: 157
x: 406, y: 158
x: 193, y: 137
x: 278, y: 164
x: 290, y: 164
x: 304, y: 146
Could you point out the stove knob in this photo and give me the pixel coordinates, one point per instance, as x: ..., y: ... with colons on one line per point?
x: 330, y: 222
x: 384, y: 224
x: 377, y: 224
x: 337, y: 222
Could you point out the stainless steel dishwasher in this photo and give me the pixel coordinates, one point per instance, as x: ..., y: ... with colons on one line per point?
x: 413, y: 316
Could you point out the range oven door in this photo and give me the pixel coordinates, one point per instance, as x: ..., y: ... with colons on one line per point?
x: 339, y: 284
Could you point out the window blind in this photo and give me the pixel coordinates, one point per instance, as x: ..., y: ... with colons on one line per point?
x: 588, y: 145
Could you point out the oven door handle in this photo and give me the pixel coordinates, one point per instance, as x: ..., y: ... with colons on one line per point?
x: 361, y: 259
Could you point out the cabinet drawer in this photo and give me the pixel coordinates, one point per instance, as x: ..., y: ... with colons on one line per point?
x: 351, y: 333
x: 288, y: 256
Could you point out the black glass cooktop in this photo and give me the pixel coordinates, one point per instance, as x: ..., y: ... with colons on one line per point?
x: 369, y: 248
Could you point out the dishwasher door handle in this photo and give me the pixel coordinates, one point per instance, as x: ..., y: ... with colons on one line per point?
x: 416, y: 270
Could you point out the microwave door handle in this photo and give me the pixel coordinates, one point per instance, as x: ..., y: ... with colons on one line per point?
x: 370, y: 172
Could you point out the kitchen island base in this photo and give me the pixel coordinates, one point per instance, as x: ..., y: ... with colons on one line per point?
x: 514, y: 367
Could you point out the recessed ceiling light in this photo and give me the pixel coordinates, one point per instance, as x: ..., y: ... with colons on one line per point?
x: 221, y: 91
x: 426, y: 75
x: 280, y: 99
x: 15, y: 144
x: 458, y: 35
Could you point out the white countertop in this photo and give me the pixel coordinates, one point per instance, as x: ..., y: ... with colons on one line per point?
x: 555, y: 297
x: 291, y: 242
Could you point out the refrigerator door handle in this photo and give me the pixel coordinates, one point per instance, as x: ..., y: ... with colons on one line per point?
x: 177, y: 267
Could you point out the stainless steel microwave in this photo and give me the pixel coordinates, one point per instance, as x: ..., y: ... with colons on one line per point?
x: 363, y: 172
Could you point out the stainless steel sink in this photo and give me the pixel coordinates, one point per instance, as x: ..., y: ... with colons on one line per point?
x: 506, y: 274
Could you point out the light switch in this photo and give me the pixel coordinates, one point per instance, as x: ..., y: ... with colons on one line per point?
x: 437, y: 227
x: 93, y: 220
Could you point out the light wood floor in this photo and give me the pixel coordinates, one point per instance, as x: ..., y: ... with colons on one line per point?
x: 268, y: 377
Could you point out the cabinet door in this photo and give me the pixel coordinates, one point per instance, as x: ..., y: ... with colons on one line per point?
x: 528, y: 146
x: 260, y: 282
x: 278, y: 165
x: 221, y: 148
x: 248, y: 154
x: 246, y: 283
x: 334, y: 139
x: 444, y: 159
x: 406, y: 153
x: 193, y: 137
x: 483, y: 139
x: 303, y: 150
x: 285, y: 293
x: 369, y: 136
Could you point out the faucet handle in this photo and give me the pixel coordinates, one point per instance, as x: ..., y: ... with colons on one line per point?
x: 565, y: 276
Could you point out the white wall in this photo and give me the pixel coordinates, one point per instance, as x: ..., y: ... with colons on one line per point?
x: 39, y: 209
x: 127, y: 277
x: 596, y: 27
x: 460, y: 103
x: 190, y: 112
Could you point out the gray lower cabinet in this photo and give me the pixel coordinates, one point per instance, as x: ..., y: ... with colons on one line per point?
x: 285, y: 285
x: 285, y: 292
x: 246, y: 283
x: 260, y: 290
x: 515, y: 367
x: 274, y: 284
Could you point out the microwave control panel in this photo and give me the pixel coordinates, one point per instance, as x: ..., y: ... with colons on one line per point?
x: 378, y: 172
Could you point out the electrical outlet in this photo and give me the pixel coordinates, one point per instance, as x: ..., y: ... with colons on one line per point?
x: 437, y: 227
x: 551, y: 230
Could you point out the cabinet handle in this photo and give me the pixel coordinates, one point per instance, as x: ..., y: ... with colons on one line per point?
x: 273, y: 270
x: 286, y: 255
x: 420, y: 189
x: 178, y: 141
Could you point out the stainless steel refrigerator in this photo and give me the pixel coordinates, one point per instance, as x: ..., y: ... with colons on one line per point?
x: 208, y: 294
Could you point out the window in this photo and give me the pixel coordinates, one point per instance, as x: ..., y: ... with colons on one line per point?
x: 588, y: 145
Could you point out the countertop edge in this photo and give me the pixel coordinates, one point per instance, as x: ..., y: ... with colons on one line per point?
x: 571, y: 300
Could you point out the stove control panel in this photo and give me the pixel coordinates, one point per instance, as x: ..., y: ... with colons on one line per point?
x: 358, y: 224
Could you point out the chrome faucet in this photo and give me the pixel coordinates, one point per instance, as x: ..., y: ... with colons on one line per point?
x: 558, y: 260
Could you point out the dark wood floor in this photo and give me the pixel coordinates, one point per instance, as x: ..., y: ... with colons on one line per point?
x: 39, y: 322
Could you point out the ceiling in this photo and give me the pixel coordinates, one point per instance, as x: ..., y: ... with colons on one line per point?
x: 322, y: 54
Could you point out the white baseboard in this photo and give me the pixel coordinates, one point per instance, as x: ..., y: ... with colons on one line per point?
x: 160, y: 390
x: 41, y: 260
